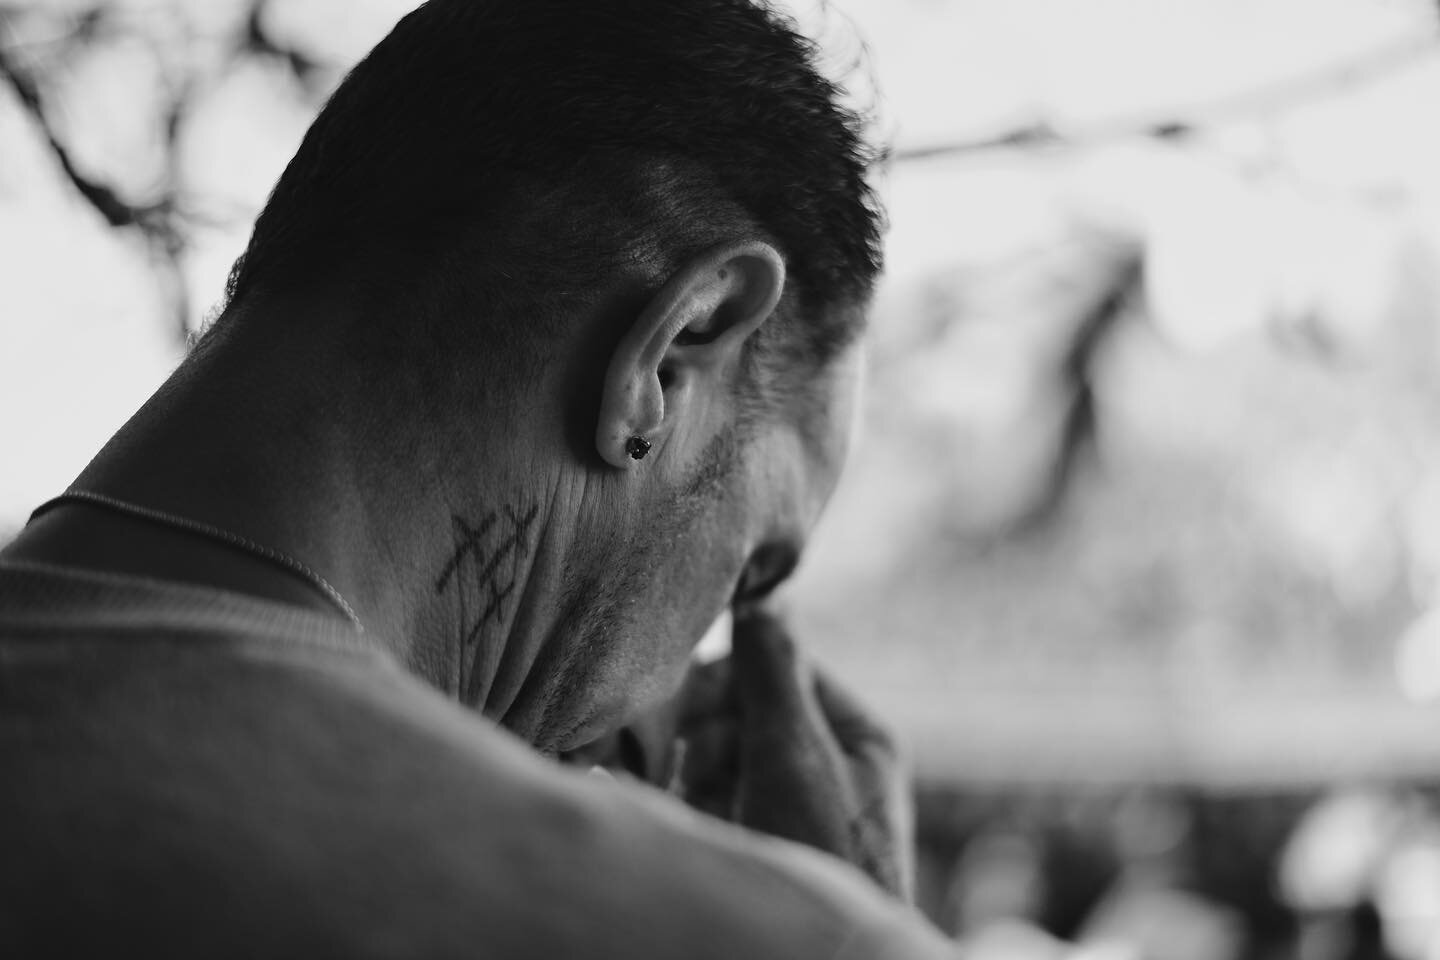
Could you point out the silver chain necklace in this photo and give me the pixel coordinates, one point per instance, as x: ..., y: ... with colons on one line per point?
x: 215, y: 533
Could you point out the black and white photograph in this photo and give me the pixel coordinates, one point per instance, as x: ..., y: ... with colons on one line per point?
x: 723, y: 479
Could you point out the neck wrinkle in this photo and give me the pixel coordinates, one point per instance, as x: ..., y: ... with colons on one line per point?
x: 491, y: 594
x: 517, y: 694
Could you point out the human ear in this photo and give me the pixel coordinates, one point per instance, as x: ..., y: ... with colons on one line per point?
x: 683, y: 349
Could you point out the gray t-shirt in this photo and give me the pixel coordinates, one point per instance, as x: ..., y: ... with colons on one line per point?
x: 193, y: 772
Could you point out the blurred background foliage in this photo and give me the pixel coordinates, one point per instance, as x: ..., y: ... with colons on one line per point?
x: 1141, y: 546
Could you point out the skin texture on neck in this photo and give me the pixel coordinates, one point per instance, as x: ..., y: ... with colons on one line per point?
x: 447, y: 539
x: 479, y: 512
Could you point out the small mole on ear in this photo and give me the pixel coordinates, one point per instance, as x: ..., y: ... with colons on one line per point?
x: 724, y: 274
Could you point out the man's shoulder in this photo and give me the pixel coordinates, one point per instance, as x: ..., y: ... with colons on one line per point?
x: 174, y: 787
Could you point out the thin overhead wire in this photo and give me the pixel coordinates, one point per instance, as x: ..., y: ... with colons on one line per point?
x: 1180, y: 120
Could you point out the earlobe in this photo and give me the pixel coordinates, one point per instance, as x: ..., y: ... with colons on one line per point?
x: 679, y: 345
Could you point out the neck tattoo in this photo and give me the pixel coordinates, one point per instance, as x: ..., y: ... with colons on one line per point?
x: 482, y: 572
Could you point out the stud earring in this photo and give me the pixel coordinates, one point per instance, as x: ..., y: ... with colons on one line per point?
x: 637, y: 447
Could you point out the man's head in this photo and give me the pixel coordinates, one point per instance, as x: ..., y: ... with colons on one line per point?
x: 654, y: 213
x: 527, y: 153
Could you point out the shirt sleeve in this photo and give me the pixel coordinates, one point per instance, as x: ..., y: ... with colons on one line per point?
x: 754, y: 895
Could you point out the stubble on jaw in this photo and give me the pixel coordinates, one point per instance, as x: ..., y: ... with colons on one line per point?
x: 603, y: 590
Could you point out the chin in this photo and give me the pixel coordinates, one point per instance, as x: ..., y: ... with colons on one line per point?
x: 624, y: 667
x: 642, y: 692
x: 589, y: 730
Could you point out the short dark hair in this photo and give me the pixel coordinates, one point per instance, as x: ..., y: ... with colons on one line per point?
x: 523, y: 152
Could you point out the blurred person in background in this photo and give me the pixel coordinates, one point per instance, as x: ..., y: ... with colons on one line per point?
x: 542, y: 354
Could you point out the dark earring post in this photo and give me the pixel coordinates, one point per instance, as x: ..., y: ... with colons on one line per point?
x: 637, y: 447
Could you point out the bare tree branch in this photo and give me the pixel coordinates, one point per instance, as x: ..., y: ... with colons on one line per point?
x: 1080, y: 424
x: 164, y: 223
x: 255, y: 40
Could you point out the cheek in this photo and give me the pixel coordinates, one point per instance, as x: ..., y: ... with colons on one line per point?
x: 667, y: 622
x: 693, y: 561
x: 697, y: 586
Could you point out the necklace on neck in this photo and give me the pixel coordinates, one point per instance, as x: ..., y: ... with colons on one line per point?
x: 214, y: 533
